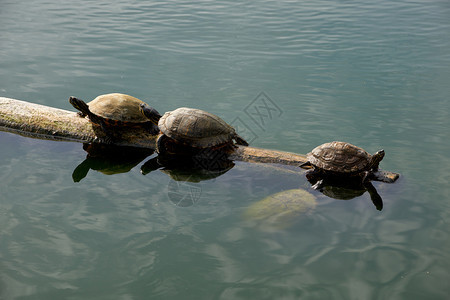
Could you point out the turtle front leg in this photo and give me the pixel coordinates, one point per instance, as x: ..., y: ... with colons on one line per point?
x: 312, y: 174
x: 164, y: 145
x: 108, y: 135
x: 315, y: 177
x: 366, y: 176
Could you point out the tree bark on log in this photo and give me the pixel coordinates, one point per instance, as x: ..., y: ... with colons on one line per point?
x: 44, y: 122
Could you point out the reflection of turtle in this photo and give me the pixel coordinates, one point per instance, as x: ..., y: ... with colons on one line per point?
x: 109, y: 160
x: 186, y: 172
x: 349, y: 189
x: 341, y: 193
x: 340, y: 158
x: 189, y: 169
x: 280, y: 210
x: 114, y: 111
x: 186, y: 129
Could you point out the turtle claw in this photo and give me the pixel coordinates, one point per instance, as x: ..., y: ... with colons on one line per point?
x: 318, y: 185
x: 104, y: 140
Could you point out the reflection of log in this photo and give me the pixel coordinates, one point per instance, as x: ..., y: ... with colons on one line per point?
x: 45, y: 122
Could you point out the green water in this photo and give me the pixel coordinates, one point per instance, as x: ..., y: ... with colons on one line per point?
x: 376, y: 74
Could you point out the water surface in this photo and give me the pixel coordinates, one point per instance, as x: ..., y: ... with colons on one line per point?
x: 373, y: 74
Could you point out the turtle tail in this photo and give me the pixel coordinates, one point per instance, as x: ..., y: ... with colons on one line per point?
x: 240, y: 141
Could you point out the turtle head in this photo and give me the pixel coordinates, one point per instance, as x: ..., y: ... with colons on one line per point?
x: 80, y: 105
x: 376, y: 158
x: 150, y: 113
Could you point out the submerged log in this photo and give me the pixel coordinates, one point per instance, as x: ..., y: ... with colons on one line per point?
x: 44, y: 122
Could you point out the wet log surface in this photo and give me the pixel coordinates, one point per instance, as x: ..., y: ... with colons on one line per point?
x: 44, y: 122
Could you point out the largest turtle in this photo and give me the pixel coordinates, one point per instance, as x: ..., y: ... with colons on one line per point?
x: 280, y: 210
x: 189, y: 130
x: 113, y: 112
x: 338, y: 159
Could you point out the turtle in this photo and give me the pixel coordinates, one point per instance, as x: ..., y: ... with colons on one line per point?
x: 338, y: 159
x: 112, y: 112
x: 189, y: 130
x: 280, y: 210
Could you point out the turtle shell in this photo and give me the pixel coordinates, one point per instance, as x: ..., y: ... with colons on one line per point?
x: 280, y: 210
x: 196, y: 128
x: 339, y: 157
x: 118, y: 107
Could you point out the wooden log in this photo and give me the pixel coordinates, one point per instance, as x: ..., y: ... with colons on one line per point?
x: 44, y: 122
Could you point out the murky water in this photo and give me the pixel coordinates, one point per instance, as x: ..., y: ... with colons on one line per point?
x: 290, y: 76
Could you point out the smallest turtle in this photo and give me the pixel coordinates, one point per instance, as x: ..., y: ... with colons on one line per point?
x: 337, y: 159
